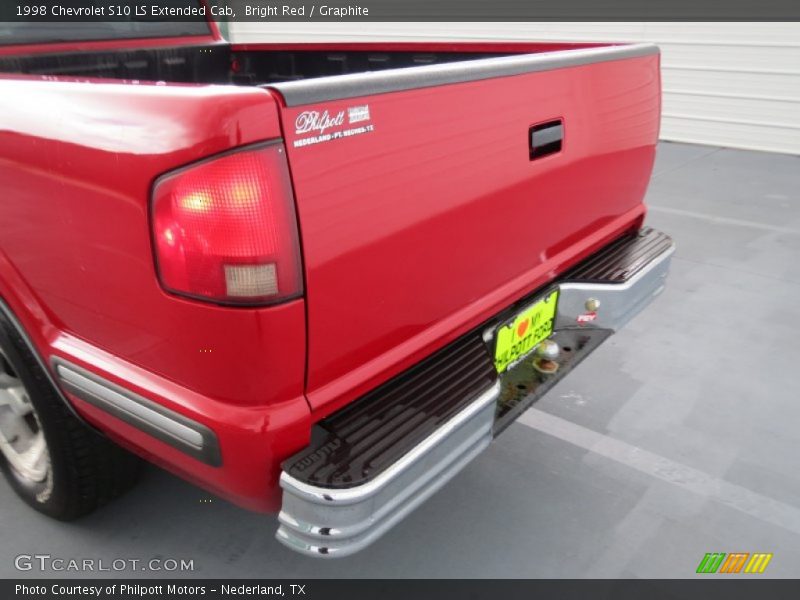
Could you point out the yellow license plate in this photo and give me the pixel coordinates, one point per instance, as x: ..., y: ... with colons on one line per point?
x: 518, y: 337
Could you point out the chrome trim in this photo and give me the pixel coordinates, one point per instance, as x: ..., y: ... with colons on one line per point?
x: 336, y: 522
x: 172, y: 428
x: 338, y: 87
x: 132, y: 407
x: 619, y: 302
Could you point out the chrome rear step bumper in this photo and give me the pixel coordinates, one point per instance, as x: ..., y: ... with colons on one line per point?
x: 337, y: 522
x: 620, y: 298
x: 326, y: 521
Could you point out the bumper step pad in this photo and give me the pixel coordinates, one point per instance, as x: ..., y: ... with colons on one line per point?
x: 359, y: 442
x: 623, y: 259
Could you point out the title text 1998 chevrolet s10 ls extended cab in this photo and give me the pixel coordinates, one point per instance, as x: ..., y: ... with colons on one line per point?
x: 313, y: 279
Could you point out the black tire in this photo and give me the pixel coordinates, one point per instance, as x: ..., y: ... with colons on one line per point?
x: 86, y: 469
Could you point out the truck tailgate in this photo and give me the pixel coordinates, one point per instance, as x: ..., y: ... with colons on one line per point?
x: 423, y: 212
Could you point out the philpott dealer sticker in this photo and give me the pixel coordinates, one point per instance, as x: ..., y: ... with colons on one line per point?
x: 326, y: 126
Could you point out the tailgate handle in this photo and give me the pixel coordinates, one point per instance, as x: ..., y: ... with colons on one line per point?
x: 546, y: 138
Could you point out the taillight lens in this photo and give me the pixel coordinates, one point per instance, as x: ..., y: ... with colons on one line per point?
x: 225, y: 230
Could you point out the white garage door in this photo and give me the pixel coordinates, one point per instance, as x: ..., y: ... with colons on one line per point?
x: 727, y: 84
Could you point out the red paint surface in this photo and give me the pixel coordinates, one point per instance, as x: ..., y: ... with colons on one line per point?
x: 421, y: 230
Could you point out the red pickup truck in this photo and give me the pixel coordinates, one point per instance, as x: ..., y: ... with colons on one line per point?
x: 314, y: 279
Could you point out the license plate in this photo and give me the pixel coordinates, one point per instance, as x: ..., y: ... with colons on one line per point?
x: 517, y: 338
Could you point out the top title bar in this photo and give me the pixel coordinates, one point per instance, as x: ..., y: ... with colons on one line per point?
x: 32, y: 11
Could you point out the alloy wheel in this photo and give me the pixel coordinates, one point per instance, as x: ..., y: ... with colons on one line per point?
x: 22, y: 440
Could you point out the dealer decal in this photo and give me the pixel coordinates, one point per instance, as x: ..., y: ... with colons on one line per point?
x: 326, y: 126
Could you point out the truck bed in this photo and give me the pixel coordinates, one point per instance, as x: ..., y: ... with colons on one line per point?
x: 252, y: 64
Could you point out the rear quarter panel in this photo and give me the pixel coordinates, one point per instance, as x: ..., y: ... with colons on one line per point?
x: 77, y: 162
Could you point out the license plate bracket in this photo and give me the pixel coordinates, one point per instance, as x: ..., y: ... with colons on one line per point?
x: 517, y: 337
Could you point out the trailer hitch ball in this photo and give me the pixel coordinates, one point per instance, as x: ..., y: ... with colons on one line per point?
x: 545, y: 357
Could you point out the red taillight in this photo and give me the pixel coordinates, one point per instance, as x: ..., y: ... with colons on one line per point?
x: 225, y: 230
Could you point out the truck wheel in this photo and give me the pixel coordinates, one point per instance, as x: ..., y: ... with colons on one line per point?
x: 54, y: 462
